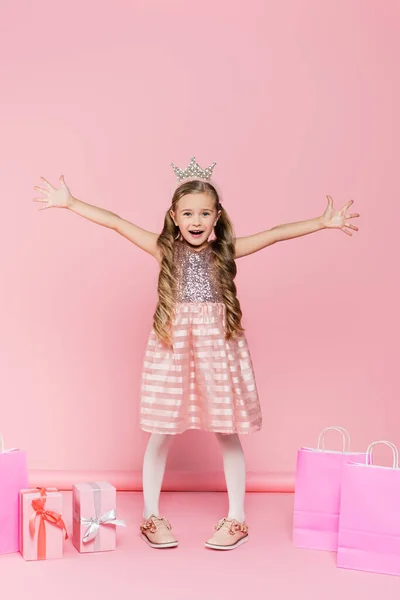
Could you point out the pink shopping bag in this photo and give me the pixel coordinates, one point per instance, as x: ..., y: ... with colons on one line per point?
x: 317, y: 492
x: 13, y: 477
x: 369, y: 525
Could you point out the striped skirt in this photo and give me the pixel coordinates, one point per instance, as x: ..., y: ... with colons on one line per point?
x: 203, y: 381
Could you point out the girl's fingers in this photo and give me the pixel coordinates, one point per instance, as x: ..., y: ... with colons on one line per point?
x: 350, y: 226
x: 345, y: 230
x: 47, y: 184
x: 348, y: 204
x: 352, y: 216
x: 39, y: 189
x: 39, y: 200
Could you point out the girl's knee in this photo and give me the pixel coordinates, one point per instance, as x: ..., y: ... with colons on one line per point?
x: 228, y: 438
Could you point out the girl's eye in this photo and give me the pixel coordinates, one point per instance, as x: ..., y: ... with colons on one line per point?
x: 186, y: 214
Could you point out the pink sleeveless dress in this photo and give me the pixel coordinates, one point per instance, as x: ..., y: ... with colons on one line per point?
x: 204, y: 381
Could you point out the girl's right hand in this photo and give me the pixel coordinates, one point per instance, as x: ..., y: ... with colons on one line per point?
x: 53, y: 197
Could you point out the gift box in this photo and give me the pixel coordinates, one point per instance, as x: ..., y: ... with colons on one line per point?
x: 13, y: 477
x: 318, y: 490
x: 94, y: 516
x: 42, y: 527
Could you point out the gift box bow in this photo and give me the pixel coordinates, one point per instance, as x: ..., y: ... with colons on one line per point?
x: 109, y: 518
x: 52, y: 517
x: 38, y: 505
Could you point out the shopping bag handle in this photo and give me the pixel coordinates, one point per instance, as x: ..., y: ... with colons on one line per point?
x: 391, y: 445
x: 2, y: 451
x: 342, y: 430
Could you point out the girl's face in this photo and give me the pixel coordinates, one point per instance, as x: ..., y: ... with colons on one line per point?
x: 195, y: 215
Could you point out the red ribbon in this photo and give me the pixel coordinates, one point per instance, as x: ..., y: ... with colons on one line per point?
x: 44, y: 515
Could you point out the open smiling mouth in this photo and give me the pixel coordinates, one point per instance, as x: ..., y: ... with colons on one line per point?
x: 196, y: 233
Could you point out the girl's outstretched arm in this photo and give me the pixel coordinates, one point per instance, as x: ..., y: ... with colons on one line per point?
x: 331, y: 219
x: 62, y: 198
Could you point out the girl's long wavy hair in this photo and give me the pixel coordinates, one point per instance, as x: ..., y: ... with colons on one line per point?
x: 223, y: 247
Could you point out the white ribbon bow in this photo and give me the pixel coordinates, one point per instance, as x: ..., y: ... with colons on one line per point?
x: 109, y: 518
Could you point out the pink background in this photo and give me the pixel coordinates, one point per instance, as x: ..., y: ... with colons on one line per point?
x: 294, y: 100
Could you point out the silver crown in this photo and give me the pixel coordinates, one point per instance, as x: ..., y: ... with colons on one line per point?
x: 193, y: 170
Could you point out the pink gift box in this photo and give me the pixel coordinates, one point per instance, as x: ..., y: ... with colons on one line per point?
x: 94, y: 516
x: 42, y: 527
x: 13, y: 477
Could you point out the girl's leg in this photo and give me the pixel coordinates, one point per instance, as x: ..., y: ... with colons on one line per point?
x: 235, y: 474
x: 155, y: 459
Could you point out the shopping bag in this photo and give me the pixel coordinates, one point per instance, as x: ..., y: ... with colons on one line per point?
x: 13, y: 477
x: 369, y: 524
x: 317, y: 492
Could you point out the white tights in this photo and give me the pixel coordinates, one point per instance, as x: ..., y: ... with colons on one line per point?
x: 155, y: 459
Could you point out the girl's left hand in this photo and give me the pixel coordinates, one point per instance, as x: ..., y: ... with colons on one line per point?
x: 337, y: 218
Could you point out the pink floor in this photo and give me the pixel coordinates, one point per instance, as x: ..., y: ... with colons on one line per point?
x: 268, y: 566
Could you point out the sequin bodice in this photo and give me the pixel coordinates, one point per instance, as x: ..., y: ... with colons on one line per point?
x: 196, y: 274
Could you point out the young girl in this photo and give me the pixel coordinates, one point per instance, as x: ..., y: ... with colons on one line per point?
x: 197, y: 371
